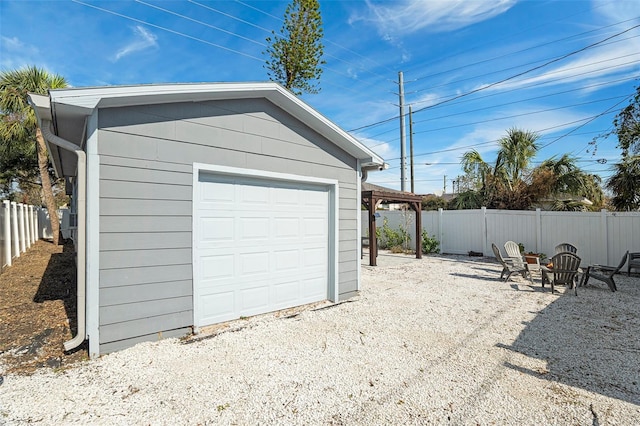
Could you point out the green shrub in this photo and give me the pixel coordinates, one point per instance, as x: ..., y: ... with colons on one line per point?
x: 389, y: 238
x: 429, y: 244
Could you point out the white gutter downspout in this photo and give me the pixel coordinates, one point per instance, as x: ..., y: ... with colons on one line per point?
x: 366, y: 169
x: 81, y: 237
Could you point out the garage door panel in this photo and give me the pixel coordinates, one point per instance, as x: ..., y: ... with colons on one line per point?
x: 286, y: 260
x: 216, y: 230
x: 217, y: 267
x: 314, y: 227
x: 312, y: 288
x: 214, y: 192
x: 314, y: 198
x: 261, y: 246
x: 253, y: 263
x: 286, y: 293
x: 286, y: 197
x: 254, y: 194
x: 253, y: 228
x: 254, y: 300
x: 286, y: 227
x: 217, y: 307
x: 313, y: 256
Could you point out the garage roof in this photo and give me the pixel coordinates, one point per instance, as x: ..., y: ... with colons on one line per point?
x: 69, y: 108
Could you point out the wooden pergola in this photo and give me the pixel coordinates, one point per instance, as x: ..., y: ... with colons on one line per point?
x: 372, y: 197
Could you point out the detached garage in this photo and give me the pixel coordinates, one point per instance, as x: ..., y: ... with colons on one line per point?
x: 202, y: 203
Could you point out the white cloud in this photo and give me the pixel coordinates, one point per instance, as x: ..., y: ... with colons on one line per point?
x: 21, y: 54
x: 144, y: 39
x: 425, y: 100
x: 591, y: 65
x: 408, y: 16
x: 11, y: 43
x: 616, y: 57
x: 383, y: 149
x: 616, y: 11
x: 15, y: 45
x: 431, y: 169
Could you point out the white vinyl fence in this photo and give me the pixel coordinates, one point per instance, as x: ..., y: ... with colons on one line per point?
x: 45, y: 223
x: 18, y: 230
x: 601, y: 237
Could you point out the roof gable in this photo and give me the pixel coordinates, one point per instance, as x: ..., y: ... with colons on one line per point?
x: 68, y: 108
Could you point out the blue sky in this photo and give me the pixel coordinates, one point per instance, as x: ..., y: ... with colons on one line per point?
x: 472, y: 69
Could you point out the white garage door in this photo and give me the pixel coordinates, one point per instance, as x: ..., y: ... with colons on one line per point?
x: 260, y: 246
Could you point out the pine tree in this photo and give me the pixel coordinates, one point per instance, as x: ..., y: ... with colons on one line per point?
x: 295, y: 56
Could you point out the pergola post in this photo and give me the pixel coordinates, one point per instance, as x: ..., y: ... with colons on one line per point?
x: 371, y: 199
x: 373, y: 237
x: 417, y: 207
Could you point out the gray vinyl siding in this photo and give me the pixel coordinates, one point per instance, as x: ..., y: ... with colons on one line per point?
x: 146, y: 162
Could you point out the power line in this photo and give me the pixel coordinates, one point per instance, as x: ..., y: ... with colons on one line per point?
x: 546, y: 83
x: 490, y: 120
x: 550, y: 73
x: 505, y: 104
x: 485, y: 87
x: 522, y: 50
x: 494, y: 141
x: 261, y: 11
x: 415, y: 180
x: 167, y: 30
x: 527, y: 99
x: 325, y: 39
x: 201, y: 23
x: 518, y: 115
x: 230, y: 16
x: 497, y: 140
x: 511, y: 36
x: 199, y: 39
x: 608, y: 110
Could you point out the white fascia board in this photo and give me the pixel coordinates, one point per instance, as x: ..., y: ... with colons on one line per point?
x: 117, y: 96
x: 325, y: 127
x: 41, y: 105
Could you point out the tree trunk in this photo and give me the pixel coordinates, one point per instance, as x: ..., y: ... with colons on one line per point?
x: 47, y: 190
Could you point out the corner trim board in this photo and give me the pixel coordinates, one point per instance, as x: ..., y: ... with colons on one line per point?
x: 93, y: 237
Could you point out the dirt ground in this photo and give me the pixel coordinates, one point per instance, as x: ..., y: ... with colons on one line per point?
x: 37, y: 309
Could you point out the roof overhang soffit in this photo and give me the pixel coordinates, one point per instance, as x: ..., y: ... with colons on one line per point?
x: 84, y: 101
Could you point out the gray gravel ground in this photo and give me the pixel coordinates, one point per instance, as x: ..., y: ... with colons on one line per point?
x: 434, y: 341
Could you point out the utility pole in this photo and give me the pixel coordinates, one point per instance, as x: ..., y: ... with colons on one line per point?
x: 411, y: 146
x: 403, y: 153
x: 444, y: 187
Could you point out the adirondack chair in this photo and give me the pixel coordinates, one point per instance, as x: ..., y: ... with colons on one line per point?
x: 566, y: 247
x: 604, y: 273
x: 509, y: 266
x: 634, y: 262
x: 564, y: 271
x: 532, y: 263
x: 513, y: 250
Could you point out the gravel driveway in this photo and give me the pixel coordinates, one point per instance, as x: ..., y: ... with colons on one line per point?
x: 434, y: 341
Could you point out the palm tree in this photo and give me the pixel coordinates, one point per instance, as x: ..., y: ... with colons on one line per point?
x: 467, y: 200
x: 624, y: 184
x: 19, y: 124
x: 569, y: 178
x: 516, y: 151
x: 593, y: 191
x: 502, y: 184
